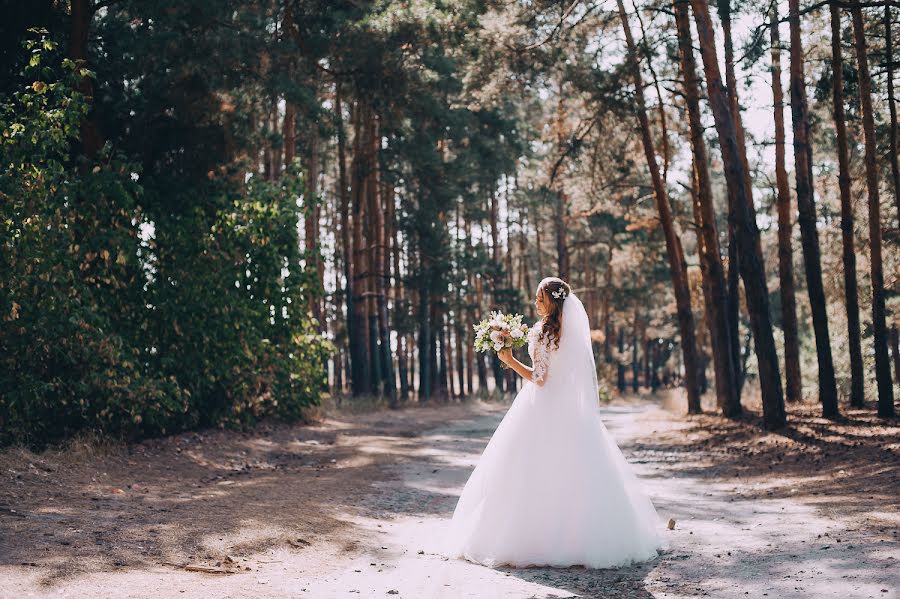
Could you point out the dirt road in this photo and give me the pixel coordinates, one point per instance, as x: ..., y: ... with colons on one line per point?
x: 354, y: 506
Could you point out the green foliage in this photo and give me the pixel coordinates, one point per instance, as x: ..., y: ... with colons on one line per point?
x: 235, y: 296
x: 109, y: 328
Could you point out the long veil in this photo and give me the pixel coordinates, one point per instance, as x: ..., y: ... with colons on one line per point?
x: 576, y: 368
x: 572, y: 385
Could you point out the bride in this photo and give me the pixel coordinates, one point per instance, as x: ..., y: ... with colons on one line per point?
x: 552, y: 487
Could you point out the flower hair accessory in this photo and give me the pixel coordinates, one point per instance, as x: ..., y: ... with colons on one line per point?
x: 559, y: 293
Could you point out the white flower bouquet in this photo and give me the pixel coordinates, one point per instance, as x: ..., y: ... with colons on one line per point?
x: 499, y: 332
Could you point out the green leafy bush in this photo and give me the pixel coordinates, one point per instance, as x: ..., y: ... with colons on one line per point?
x: 109, y: 328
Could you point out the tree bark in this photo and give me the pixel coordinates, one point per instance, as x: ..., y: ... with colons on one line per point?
x: 792, y: 375
x: 727, y: 390
x: 647, y: 349
x: 383, y: 235
x: 561, y: 204
x: 311, y: 222
x: 425, y: 346
x: 562, y: 247
x: 460, y: 351
x: 893, y: 150
x: 635, y: 364
x: 470, y: 312
x: 806, y: 208
x: 895, y: 343
x: 734, y: 284
x: 346, y: 243
x: 79, y: 31
x: 362, y: 376
x: 289, y: 132
x: 677, y: 266
x: 857, y: 384
x: 879, y: 327
x: 399, y: 296
x: 747, y: 233
x: 443, y: 362
x: 539, y: 254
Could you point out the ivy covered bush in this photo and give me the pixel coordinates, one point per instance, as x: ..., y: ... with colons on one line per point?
x: 129, y: 323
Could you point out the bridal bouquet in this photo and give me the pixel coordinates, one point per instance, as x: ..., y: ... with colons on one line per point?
x: 501, y: 331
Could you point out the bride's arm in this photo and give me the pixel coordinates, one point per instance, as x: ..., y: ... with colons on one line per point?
x: 526, y: 372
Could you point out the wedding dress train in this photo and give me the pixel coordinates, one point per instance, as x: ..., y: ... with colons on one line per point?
x: 552, y: 487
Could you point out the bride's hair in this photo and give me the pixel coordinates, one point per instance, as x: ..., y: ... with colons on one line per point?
x: 556, y: 290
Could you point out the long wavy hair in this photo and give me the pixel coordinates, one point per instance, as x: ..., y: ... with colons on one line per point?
x: 553, y: 320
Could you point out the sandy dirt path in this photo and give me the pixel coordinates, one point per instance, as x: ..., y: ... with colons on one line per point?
x: 354, y: 507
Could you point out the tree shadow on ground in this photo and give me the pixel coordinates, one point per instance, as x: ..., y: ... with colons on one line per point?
x: 200, y: 497
x: 622, y: 583
x: 851, y: 463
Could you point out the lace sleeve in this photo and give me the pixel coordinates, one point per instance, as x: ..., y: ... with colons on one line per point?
x: 540, y: 358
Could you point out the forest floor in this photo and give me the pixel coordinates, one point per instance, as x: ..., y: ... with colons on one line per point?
x: 353, y: 506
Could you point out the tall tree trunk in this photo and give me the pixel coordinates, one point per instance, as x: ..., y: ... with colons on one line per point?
x: 562, y: 246
x: 443, y: 362
x: 494, y: 212
x: 277, y: 149
x: 806, y: 207
x: 620, y: 367
x: 311, y: 221
x: 269, y: 127
x: 647, y: 349
x: 373, y: 264
x: 426, y: 343
x: 483, y: 386
x: 727, y: 390
x: 470, y: 312
x: 524, y: 277
x: 526, y: 274
x: 346, y: 244
x: 362, y: 376
x: 792, y: 376
x: 289, y: 124
x: 879, y: 327
x: 470, y: 363
x: 857, y: 384
x: 399, y: 295
x: 606, y: 320
x: 561, y: 201
x: 734, y: 281
x: 539, y: 254
x: 495, y: 282
x: 289, y: 132
x: 412, y: 357
x: 436, y: 384
x: 460, y: 364
x: 655, y: 382
x: 733, y: 306
x: 747, y: 233
x: 339, y: 372
x: 677, y: 266
x: 895, y: 343
x: 635, y: 364
x: 82, y: 12
x: 731, y: 87
x: 893, y: 150
x: 591, y: 284
x: 383, y: 226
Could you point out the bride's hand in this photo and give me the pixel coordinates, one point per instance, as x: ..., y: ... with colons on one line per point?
x: 505, y: 356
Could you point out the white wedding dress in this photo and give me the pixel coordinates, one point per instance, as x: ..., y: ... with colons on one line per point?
x: 552, y: 487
